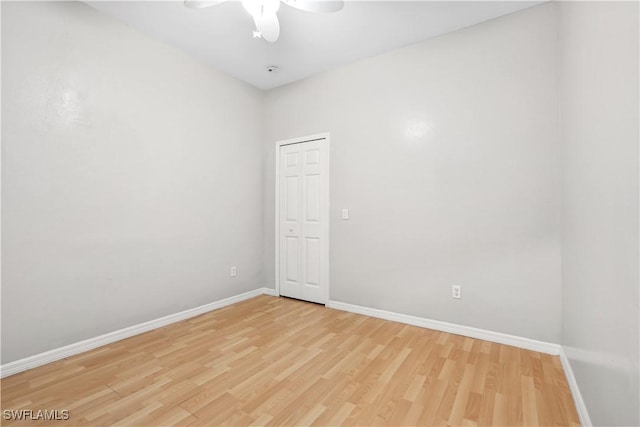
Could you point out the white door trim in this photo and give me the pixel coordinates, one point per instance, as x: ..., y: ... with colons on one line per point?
x: 325, y: 227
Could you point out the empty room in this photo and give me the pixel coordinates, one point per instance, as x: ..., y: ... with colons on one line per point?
x: 320, y: 213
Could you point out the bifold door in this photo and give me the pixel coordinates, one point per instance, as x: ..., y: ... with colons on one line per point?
x: 303, y: 227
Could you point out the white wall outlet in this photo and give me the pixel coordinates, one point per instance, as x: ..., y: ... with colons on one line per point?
x: 234, y: 271
x: 345, y: 213
x: 456, y: 291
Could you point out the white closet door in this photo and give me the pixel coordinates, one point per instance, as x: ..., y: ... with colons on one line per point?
x: 302, y: 220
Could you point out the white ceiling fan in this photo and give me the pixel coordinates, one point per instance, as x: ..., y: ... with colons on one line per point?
x: 264, y: 12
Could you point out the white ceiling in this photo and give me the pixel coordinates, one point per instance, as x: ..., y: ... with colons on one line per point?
x: 309, y: 42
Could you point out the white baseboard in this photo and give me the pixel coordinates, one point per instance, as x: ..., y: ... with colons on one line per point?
x: 467, y: 331
x: 91, y: 343
x: 269, y: 291
x: 581, y: 407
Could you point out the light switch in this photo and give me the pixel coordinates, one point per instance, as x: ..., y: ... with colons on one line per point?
x: 345, y: 213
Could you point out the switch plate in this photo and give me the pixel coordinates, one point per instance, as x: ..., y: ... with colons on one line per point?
x: 345, y: 213
x: 234, y: 271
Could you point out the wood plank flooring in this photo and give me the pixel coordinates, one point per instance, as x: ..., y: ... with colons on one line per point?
x: 276, y: 361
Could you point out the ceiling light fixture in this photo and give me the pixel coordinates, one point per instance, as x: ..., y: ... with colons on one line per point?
x: 264, y: 15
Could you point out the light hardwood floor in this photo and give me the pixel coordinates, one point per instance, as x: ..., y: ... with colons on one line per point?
x: 276, y: 361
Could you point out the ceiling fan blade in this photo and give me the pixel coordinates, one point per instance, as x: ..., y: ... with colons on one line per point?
x: 323, y: 6
x: 199, y: 4
x: 268, y: 26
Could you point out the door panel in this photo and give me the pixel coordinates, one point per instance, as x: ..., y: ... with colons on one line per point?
x: 303, y: 227
x: 292, y: 197
x: 312, y: 196
x: 312, y: 157
x: 312, y: 250
x: 292, y: 159
x: 292, y: 262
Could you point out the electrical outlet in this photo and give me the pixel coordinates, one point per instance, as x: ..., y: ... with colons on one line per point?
x: 456, y: 291
x: 234, y: 271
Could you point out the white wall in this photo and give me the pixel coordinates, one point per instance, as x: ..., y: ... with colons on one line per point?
x: 130, y: 178
x: 599, y: 98
x: 447, y: 154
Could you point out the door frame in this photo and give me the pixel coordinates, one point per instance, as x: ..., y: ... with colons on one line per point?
x: 325, y: 226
